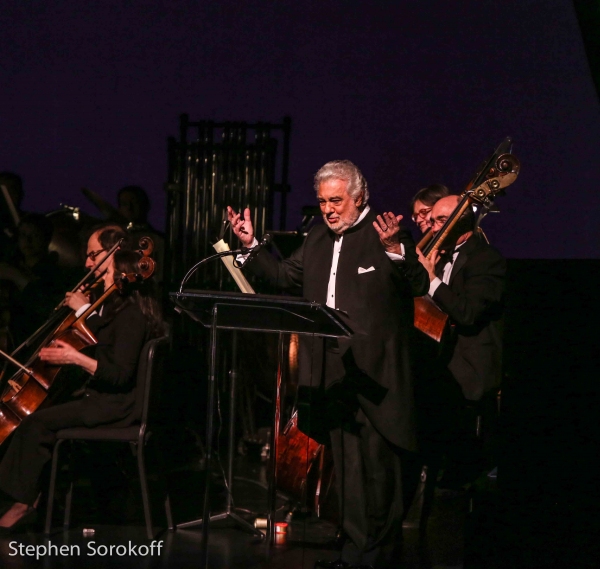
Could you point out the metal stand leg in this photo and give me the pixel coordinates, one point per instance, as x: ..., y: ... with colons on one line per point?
x: 210, y: 412
x: 272, y: 490
x: 229, y: 511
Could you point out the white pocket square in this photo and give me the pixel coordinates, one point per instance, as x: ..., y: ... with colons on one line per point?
x: 361, y: 270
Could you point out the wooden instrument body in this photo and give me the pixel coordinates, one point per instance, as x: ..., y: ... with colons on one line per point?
x: 305, y: 470
x: 429, y: 319
x: 33, y: 389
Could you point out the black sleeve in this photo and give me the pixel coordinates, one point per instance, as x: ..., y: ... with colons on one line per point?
x: 413, y: 270
x: 286, y: 274
x: 119, y: 346
x: 482, y: 293
x: 93, y: 322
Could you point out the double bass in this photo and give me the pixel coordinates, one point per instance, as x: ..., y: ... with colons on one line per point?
x: 36, y: 384
x: 498, y: 172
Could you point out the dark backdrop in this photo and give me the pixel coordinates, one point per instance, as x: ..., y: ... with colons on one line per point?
x: 413, y: 92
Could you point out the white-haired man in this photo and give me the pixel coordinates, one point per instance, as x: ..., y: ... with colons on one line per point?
x: 366, y: 266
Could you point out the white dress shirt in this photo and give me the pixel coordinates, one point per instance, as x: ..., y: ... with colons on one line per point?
x: 83, y: 308
x: 337, y: 247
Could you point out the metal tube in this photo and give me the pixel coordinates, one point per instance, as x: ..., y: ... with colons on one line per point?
x: 272, y: 489
x: 233, y: 374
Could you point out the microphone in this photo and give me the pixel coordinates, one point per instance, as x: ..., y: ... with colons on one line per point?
x: 253, y: 251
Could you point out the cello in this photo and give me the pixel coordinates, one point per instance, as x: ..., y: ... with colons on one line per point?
x: 35, y: 383
x: 498, y: 172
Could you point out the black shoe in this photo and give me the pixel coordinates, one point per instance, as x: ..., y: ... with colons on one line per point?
x: 29, y: 517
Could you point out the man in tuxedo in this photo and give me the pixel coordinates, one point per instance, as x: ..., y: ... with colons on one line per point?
x: 467, y: 283
x: 364, y: 265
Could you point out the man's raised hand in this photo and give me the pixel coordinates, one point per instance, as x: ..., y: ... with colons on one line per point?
x: 241, y: 227
x: 388, y: 228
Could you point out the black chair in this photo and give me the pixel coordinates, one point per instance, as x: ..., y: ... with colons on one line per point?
x: 149, y: 379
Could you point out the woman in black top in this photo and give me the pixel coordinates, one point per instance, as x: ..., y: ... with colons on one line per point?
x: 122, y: 325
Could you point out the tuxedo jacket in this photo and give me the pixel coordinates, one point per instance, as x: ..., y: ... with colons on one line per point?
x: 376, y: 294
x: 473, y: 299
x: 110, y: 394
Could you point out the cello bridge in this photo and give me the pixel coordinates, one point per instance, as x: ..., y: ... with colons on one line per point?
x: 15, y: 385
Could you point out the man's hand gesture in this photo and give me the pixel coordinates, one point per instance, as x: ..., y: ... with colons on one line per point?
x: 388, y: 228
x: 241, y: 227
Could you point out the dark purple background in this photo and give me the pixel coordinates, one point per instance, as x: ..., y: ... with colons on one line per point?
x: 413, y: 92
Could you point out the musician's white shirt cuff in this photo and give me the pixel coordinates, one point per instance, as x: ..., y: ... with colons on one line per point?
x: 433, y: 285
x: 81, y: 310
x: 241, y: 259
x: 395, y: 257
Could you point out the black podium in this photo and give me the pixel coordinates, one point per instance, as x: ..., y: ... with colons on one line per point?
x: 252, y: 313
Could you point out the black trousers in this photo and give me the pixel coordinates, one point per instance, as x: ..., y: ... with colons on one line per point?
x: 447, y: 426
x: 376, y: 482
x: 31, y: 447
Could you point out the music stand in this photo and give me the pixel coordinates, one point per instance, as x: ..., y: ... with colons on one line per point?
x: 252, y: 313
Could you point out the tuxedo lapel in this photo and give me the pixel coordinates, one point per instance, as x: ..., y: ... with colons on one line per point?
x: 458, y: 265
x: 463, y: 255
x: 320, y: 252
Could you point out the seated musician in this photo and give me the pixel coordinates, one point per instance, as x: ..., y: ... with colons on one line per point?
x: 467, y: 283
x: 122, y: 325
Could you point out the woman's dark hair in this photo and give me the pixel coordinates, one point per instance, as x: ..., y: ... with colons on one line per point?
x: 141, y: 292
x: 429, y: 195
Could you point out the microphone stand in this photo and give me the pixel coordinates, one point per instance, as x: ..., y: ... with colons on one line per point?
x: 229, y: 512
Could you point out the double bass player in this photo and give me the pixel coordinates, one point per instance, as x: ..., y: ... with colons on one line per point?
x: 467, y: 283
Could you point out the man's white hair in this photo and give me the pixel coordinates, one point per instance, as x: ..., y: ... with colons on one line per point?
x: 347, y: 171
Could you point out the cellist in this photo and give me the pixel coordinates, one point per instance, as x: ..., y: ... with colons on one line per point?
x: 122, y: 325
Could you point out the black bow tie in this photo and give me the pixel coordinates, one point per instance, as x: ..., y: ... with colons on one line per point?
x: 446, y: 256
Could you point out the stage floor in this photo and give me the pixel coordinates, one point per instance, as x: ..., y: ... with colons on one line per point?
x: 484, y: 529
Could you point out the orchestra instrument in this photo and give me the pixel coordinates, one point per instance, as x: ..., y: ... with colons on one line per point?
x: 35, y: 383
x: 497, y: 173
x: 305, y: 471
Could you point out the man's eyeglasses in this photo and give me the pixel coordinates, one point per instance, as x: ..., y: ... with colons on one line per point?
x: 441, y: 220
x: 93, y: 254
x: 422, y: 213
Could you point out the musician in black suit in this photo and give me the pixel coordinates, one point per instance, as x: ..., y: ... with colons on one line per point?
x: 122, y: 324
x: 467, y: 283
x: 364, y: 265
